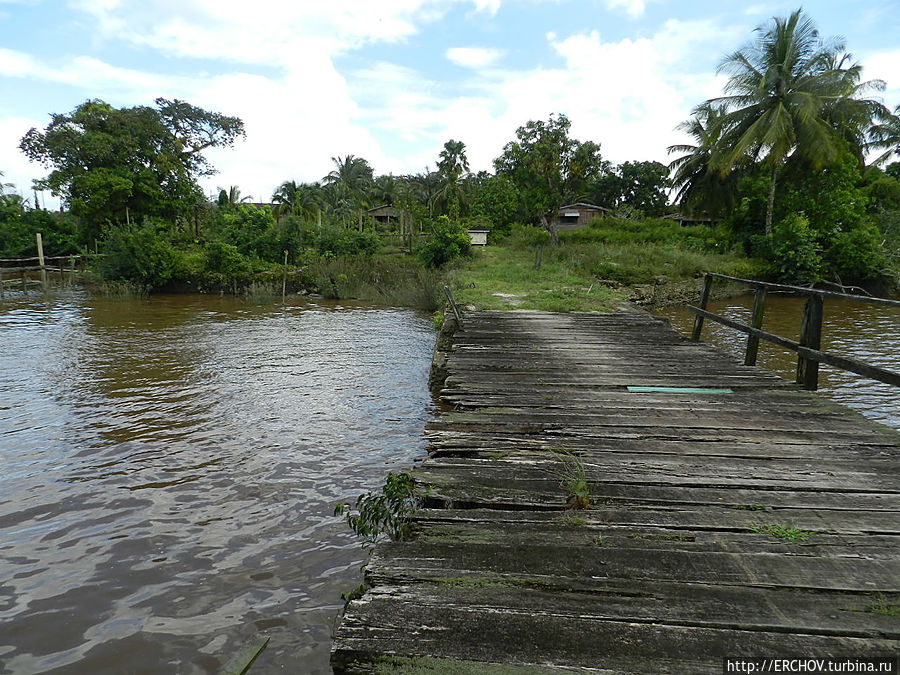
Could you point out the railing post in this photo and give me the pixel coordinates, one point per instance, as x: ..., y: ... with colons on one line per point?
x: 40, y: 250
x: 704, y: 300
x: 810, y: 336
x: 756, y: 321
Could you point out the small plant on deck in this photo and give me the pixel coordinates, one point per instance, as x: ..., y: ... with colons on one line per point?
x: 786, y: 532
x: 573, y: 479
x: 385, y: 513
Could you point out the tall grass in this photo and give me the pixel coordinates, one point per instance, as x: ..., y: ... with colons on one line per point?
x: 396, y: 281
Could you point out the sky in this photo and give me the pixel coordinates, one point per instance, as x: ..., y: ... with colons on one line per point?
x: 393, y: 80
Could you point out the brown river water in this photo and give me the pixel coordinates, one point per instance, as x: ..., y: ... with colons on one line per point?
x: 170, y: 468
x: 868, y: 333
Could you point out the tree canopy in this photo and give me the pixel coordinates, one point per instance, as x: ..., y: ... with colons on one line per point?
x: 110, y: 164
x: 548, y: 167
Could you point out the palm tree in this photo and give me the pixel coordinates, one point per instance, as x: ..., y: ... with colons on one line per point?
x: 698, y: 186
x: 297, y: 199
x: 452, y: 164
x: 886, y: 136
x: 786, y: 93
x: 354, y: 173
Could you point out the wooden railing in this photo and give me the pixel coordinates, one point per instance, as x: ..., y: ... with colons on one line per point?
x: 10, y: 267
x: 808, y: 351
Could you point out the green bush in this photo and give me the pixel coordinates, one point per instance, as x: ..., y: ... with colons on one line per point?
x: 857, y: 256
x: 140, y: 254
x: 796, y: 252
x: 342, y: 241
x: 450, y: 241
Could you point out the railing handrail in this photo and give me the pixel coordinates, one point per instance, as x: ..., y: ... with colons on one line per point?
x: 808, y: 353
x: 802, y: 290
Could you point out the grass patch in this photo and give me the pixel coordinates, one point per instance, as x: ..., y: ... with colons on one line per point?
x: 884, y: 607
x: 750, y: 507
x: 503, y: 277
x: 786, y: 532
x: 571, y: 275
x: 572, y: 520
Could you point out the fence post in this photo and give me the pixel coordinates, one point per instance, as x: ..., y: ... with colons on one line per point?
x: 704, y: 300
x: 756, y: 321
x: 810, y: 336
x: 40, y: 250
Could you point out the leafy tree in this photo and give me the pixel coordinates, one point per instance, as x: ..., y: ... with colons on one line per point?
x: 497, y: 199
x: 114, y: 164
x: 548, y: 167
x: 644, y: 187
x: 789, y: 93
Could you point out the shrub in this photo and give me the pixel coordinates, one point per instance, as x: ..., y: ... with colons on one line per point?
x: 342, y: 241
x: 857, y: 255
x: 139, y: 254
x: 450, y: 241
x: 795, y: 250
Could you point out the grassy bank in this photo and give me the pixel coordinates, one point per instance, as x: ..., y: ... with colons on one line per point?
x: 594, y: 268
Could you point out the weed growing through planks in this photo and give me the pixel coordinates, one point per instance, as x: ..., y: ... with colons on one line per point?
x: 786, y: 532
x: 437, y: 320
x: 387, y: 513
x: 575, y: 521
x: 884, y: 607
x: 573, y: 479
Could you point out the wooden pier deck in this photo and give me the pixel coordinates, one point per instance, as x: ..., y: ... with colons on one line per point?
x: 671, y: 569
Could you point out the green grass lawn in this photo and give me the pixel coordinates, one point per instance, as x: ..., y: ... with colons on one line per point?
x: 500, y: 277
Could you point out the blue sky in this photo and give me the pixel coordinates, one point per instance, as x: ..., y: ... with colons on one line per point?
x: 392, y: 80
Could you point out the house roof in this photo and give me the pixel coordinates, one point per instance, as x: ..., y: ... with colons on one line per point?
x: 583, y: 205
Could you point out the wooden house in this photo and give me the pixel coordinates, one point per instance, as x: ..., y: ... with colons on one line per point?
x: 576, y: 216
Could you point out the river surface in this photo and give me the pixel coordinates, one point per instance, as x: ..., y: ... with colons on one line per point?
x: 170, y: 468
x: 868, y: 333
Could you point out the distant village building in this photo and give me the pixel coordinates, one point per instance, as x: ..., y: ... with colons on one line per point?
x: 478, y: 236
x: 686, y: 221
x: 575, y: 216
x: 384, y: 213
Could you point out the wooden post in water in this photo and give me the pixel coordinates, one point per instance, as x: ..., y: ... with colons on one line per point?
x: 40, y: 249
x: 24, y: 281
x: 810, y: 336
x: 284, y: 278
x: 756, y: 321
x: 71, y: 270
x: 704, y: 301
x: 1, y: 282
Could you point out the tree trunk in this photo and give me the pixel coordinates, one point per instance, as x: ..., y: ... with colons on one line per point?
x: 770, y: 205
x: 550, y: 226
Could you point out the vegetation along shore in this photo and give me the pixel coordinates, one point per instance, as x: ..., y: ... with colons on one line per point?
x: 789, y: 179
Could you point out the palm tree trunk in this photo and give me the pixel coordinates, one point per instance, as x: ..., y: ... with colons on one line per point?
x: 770, y: 205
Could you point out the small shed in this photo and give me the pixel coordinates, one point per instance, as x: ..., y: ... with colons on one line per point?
x: 478, y: 237
x: 384, y: 213
x: 575, y: 216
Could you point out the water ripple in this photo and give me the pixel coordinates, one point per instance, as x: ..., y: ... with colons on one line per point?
x: 170, y: 470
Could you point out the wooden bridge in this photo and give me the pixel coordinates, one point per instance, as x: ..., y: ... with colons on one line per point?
x: 732, y: 514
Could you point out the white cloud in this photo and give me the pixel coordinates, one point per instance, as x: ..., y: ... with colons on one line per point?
x: 634, y: 8
x: 16, y: 168
x: 489, y: 6
x: 474, y: 57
